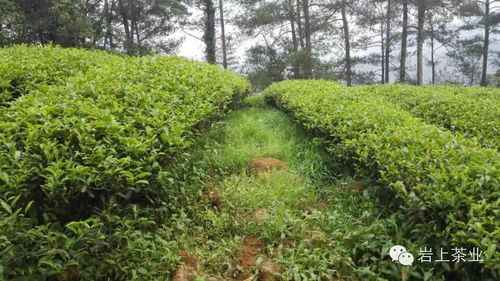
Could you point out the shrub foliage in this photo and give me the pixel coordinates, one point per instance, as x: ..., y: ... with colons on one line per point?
x: 445, y: 184
x: 472, y: 111
x: 28, y: 68
x: 90, y: 139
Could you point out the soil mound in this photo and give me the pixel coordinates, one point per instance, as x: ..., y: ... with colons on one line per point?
x: 259, y: 165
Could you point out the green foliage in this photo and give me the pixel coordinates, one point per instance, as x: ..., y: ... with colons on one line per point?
x: 215, y: 234
x: 142, y: 246
x: 135, y: 27
x: 29, y: 68
x: 31, y: 251
x: 112, y: 134
x: 472, y: 111
x: 63, y: 22
x: 264, y: 65
x: 445, y: 184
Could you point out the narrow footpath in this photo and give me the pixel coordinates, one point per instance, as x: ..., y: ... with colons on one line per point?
x: 274, y: 205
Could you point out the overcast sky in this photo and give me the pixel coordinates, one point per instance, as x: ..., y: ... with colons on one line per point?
x: 193, y: 48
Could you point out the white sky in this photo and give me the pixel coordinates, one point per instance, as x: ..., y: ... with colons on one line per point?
x: 193, y: 48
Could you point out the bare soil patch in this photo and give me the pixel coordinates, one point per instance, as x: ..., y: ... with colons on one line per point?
x: 260, y: 165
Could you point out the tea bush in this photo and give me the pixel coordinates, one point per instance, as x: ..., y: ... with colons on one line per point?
x: 472, y: 111
x: 445, y: 185
x: 27, y: 68
x: 110, y: 136
x: 109, y: 133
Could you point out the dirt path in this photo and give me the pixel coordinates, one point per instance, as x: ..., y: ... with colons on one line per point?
x: 274, y: 206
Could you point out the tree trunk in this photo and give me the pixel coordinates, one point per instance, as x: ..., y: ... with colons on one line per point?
x: 139, y: 39
x: 291, y: 15
x: 347, y: 42
x: 433, y: 62
x: 137, y: 35
x: 420, y: 44
x: 486, y: 43
x: 41, y: 37
x: 3, y: 39
x: 109, y: 21
x: 106, y: 12
x: 299, y: 25
x: 209, y: 35
x: 223, y: 34
x: 129, y: 39
x: 404, y: 44
x: 83, y: 39
x: 387, y: 41
x: 382, y: 52
x: 295, y: 65
x: 110, y: 26
x: 307, y: 35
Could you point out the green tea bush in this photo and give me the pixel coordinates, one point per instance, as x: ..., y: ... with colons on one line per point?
x: 472, y: 111
x: 27, y: 68
x: 111, y: 135
x: 48, y: 251
x: 446, y: 185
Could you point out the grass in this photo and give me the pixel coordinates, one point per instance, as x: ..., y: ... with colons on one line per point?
x: 310, y: 216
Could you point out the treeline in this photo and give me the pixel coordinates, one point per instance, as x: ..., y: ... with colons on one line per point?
x: 130, y: 26
x: 355, y: 41
x: 135, y: 27
x: 374, y: 41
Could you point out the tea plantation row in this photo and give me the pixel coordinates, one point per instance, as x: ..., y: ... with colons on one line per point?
x: 27, y: 68
x: 472, y: 111
x: 446, y: 186
x: 88, y: 140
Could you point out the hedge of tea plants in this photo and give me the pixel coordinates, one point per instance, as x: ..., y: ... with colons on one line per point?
x: 28, y: 68
x: 472, y: 111
x: 446, y: 185
x: 109, y: 137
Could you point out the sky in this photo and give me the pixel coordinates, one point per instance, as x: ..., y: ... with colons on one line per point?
x: 193, y: 48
